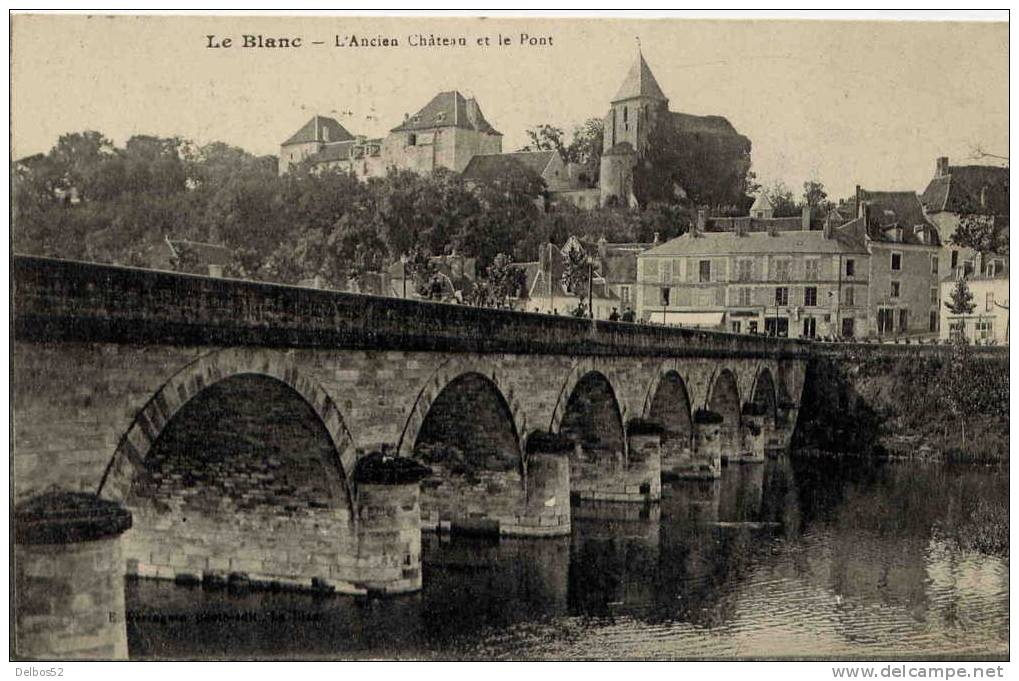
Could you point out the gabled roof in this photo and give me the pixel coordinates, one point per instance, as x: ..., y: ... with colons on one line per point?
x: 493, y: 167
x: 710, y: 125
x: 320, y: 129
x: 960, y: 191
x: 728, y: 243
x: 639, y: 82
x: 448, y: 110
x: 891, y: 209
x: 762, y: 202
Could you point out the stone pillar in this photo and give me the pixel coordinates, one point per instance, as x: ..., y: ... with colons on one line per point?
x: 388, y: 491
x: 707, y: 438
x: 754, y: 432
x: 677, y: 455
x: 644, y: 467
x: 546, y: 507
x: 69, y: 578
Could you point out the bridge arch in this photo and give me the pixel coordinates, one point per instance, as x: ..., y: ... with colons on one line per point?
x: 764, y: 392
x: 668, y: 403
x: 471, y: 414
x: 724, y: 399
x: 440, y: 379
x: 155, y: 416
x: 592, y: 416
x: 578, y: 371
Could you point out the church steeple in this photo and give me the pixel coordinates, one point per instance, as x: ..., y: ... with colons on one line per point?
x: 640, y: 82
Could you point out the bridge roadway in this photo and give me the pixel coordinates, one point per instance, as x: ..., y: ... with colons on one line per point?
x: 107, y: 358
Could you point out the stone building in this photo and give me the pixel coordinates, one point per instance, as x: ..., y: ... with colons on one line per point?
x: 638, y: 108
x: 958, y: 192
x: 446, y: 133
x: 988, y: 322
x: 798, y: 276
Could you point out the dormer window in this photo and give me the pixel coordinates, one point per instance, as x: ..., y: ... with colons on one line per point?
x: 921, y: 233
x: 412, y: 140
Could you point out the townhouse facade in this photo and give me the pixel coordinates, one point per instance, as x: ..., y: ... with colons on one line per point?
x: 783, y: 276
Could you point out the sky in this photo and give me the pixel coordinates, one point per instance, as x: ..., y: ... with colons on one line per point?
x: 846, y: 103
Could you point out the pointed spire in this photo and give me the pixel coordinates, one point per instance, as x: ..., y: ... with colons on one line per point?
x: 639, y: 81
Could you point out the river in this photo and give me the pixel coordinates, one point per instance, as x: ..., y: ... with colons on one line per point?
x: 794, y: 558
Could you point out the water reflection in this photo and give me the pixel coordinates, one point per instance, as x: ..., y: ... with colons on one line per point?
x: 786, y: 558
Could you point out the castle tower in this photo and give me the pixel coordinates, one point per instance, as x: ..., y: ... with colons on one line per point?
x: 634, y: 110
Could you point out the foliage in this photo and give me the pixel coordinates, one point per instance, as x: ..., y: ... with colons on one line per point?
x: 782, y: 200
x: 577, y: 272
x: 584, y: 147
x: 960, y: 299
x: 503, y: 280
x: 815, y: 196
x: 982, y: 233
x: 700, y: 168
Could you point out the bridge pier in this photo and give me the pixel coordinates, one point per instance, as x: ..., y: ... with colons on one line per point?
x: 754, y: 433
x: 388, y: 557
x: 706, y: 456
x: 69, y: 578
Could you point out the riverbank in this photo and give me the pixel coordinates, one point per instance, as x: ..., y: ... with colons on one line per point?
x: 950, y: 406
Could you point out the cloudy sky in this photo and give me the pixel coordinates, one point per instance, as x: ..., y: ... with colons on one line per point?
x: 848, y: 103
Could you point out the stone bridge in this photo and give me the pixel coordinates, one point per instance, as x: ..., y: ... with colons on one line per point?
x: 519, y: 417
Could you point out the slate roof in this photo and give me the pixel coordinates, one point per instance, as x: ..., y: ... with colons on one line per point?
x: 448, y: 110
x: 639, y: 82
x: 959, y: 191
x: 710, y: 125
x: 762, y: 202
x: 846, y: 240
x: 493, y: 167
x: 893, y: 209
x: 314, y: 131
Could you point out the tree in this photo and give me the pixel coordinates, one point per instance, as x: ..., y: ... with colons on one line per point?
x: 961, y: 299
x: 782, y: 200
x: 585, y: 150
x: 982, y: 233
x: 504, y: 279
x: 815, y: 196
x: 546, y: 137
x: 577, y: 273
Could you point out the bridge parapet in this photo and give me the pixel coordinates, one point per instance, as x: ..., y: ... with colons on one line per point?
x: 87, y: 302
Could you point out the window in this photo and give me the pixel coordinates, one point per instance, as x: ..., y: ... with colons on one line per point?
x: 896, y: 287
x: 896, y: 262
x: 809, y: 327
x: 743, y: 296
x: 903, y: 320
x: 985, y: 329
x: 934, y: 265
x: 781, y: 295
x: 744, y: 270
x: 677, y: 271
x: 650, y: 269
x: 782, y: 270
x: 735, y: 327
x: 997, y: 267
x: 934, y: 321
x: 967, y: 268
x: 989, y: 301
x: 850, y: 297
x: 934, y: 295
x: 955, y: 259
x: 412, y: 139
x: 663, y: 298
x: 705, y: 270
x: 847, y: 327
x: 885, y: 321
x: 850, y: 268
x: 752, y: 326
x: 810, y: 296
x: 624, y: 294
x: 812, y: 267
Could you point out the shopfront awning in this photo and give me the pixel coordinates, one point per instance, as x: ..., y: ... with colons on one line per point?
x: 699, y: 319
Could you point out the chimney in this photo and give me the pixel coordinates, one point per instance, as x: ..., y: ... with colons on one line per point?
x: 864, y: 213
x: 603, y: 246
x: 656, y: 238
x: 826, y: 229
x: 702, y: 221
x: 805, y: 218
x: 941, y: 169
x: 859, y: 207
x: 405, y: 117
